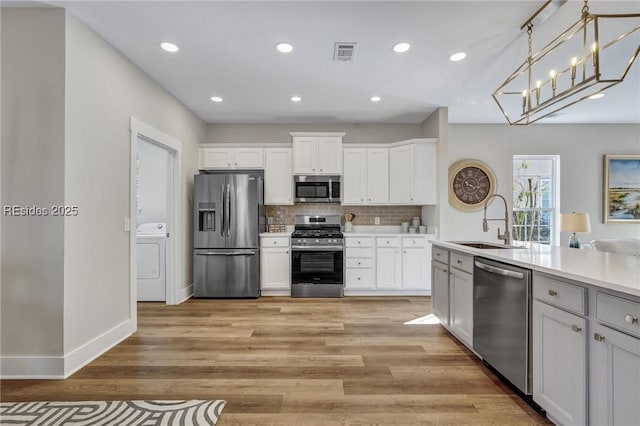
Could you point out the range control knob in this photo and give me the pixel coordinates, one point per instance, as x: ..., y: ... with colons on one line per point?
x: 317, y: 241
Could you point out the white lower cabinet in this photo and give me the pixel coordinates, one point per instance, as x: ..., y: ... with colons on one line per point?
x: 359, y: 264
x: 388, y: 268
x: 560, y: 363
x: 461, y: 305
x: 275, y: 265
x: 387, y: 264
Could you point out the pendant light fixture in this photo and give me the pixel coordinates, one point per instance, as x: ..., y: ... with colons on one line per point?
x: 589, y: 57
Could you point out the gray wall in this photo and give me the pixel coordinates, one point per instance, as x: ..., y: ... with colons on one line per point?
x: 581, y: 149
x: 279, y: 133
x: 33, y: 87
x: 97, y: 294
x: 65, y: 282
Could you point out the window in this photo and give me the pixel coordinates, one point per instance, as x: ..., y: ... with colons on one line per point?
x: 535, y: 198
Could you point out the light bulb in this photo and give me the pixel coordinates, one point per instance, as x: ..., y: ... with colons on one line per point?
x: 538, y: 84
x: 574, y: 61
x: 552, y: 73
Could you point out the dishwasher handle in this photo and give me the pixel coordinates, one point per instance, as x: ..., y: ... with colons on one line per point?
x: 499, y: 271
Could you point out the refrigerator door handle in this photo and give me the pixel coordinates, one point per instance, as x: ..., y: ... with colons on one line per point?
x: 223, y: 216
x: 227, y: 253
x: 228, y: 208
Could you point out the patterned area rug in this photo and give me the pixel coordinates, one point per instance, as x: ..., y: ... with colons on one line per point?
x: 120, y: 413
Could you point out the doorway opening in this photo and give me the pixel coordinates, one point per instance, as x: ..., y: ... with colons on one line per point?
x: 155, y: 217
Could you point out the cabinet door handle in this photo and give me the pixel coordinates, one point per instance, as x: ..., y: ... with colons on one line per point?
x: 359, y: 242
x: 287, y: 252
x: 598, y: 337
x: 630, y: 319
x: 445, y: 271
x: 361, y: 199
x: 459, y: 262
x: 359, y: 263
x: 320, y: 169
x: 405, y: 252
x: 576, y: 328
x: 359, y: 278
x: 553, y: 292
x: 275, y: 242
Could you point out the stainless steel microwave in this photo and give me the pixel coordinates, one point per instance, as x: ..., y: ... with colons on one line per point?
x: 317, y: 189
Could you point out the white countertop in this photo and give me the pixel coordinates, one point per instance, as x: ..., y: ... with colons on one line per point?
x: 606, y: 270
x: 390, y: 231
x: 275, y: 234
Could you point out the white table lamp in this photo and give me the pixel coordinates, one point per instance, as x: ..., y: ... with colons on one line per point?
x: 575, y: 222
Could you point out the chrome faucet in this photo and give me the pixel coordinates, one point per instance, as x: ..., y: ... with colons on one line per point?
x: 485, y: 225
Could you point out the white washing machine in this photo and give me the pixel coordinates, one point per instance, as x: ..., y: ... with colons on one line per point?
x: 151, y: 249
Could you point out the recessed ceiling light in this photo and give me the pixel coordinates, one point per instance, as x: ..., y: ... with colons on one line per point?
x: 457, y: 56
x: 401, y: 47
x: 169, y: 47
x: 216, y: 99
x: 376, y: 99
x: 284, y: 47
x: 296, y: 99
x: 596, y: 96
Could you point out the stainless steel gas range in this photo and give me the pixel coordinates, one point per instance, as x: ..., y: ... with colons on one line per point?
x: 317, y: 247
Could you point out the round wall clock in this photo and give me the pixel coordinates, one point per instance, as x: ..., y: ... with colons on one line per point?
x: 471, y: 182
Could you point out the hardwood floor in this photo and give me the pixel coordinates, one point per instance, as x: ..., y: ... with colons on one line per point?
x: 283, y: 361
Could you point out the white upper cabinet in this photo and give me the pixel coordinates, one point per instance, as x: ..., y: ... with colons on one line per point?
x: 365, y: 179
x: 317, y: 154
x: 278, y: 180
x: 354, y: 178
x: 231, y: 158
x: 378, y: 175
x: 412, y: 170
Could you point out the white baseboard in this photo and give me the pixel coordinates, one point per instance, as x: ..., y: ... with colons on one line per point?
x: 31, y: 367
x: 284, y: 292
x: 91, y: 350
x: 184, y: 294
x: 61, y: 367
x: 369, y: 292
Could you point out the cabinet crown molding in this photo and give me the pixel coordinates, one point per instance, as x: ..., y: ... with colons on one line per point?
x: 245, y: 145
x: 312, y: 134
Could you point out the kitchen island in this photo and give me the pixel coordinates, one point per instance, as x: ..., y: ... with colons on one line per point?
x: 583, y: 333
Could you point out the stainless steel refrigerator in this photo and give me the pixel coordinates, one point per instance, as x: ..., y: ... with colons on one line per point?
x: 228, y: 209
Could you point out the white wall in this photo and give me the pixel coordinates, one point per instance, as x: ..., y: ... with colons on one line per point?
x: 97, y: 296
x: 32, y: 175
x: 278, y: 133
x: 581, y: 149
x: 153, y: 164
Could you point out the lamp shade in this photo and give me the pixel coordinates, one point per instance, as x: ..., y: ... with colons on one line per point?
x: 575, y: 222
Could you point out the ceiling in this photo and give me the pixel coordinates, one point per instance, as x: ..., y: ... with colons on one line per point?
x: 227, y: 50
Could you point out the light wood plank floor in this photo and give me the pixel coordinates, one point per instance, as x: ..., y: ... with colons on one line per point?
x: 283, y: 361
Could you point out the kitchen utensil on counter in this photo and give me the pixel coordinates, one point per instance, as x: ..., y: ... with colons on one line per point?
x: 404, y: 227
x: 348, y: 222
x: 415, y: 222
x: 423, y: 229
x: 412, y: 230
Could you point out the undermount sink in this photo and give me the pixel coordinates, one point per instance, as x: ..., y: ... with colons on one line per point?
x: 483, y: 245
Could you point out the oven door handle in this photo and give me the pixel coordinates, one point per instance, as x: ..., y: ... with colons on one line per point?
x: 316, y: 248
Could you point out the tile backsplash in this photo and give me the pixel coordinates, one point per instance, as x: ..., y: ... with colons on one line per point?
x: 389, y: 215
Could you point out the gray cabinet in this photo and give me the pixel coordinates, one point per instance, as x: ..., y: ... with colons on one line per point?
x: 560, y: 363
x: 461, y: 305
x: 440, y: 291
x: 615, y: 363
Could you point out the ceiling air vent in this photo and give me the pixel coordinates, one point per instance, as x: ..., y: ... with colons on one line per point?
x: 344, y: 51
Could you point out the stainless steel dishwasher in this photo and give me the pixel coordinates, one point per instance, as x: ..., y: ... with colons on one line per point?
x: 502, y: 319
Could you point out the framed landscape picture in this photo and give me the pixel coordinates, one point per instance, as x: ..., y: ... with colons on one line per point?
x: 622, y: 188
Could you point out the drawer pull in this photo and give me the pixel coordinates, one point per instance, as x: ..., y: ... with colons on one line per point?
x: 459, y: 262
x: 359, y: 263
x: 630, y: 319
x: 553, y: 292
x: 359, y: 242
x: 598, y: 337
x: 576, y: 328
x: 444, y: 270
x: 275, y: 242
x: 359, y: 278
x: 437, y: 254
